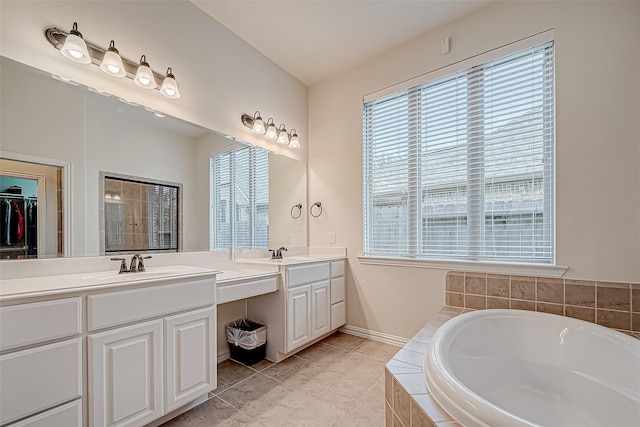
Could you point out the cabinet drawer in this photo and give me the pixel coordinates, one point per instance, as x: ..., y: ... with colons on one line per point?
x: 337, y: 269
x: 303, y: 274
x: 116, y: 308
x: 69, y: 415
x: 338, y: 315
x: 27, y: 324
x: 39, y: 378
x: 337, y: 290
x: 252, y: 288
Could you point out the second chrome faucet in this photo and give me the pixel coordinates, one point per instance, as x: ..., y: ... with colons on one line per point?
x: 277, y: 253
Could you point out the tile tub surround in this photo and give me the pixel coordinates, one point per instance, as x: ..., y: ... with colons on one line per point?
x: 611, y: 304
x: 337, y: 382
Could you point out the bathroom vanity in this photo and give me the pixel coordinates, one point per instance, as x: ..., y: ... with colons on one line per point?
x: 122, y: 349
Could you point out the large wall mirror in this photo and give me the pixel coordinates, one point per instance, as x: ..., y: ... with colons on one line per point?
x: 89, y: 135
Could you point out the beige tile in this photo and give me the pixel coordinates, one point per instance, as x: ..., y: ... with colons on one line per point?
x: 213, y: 412
x: 378, y: 350
x: 582, y: 313
x: 261, y: 365
x: 454, y: 299
x: 401, y: 403
x: 475, y: 283
x: 396, y: 421
x: 523, y: 305
x: 300, y: 409
x: 431, y: 408
x: 635, y: 297
x: 614, y: 319
x: 613, y: 296
x: 550, y: 290
x: 455, y: 281
x: 370, y: 405
x: 580, y: 293
x: 388, y: 416
x: 412, y: 383
x: 635, y: 322
x: 230, y: 373
x: 475, y: 302
x: 497, y: 302
x: 344, y: 341
x: 523, y: 288
x: 293, y: 371
x: 546, y: 307
x: 353, y: 420
x: 360, y: 370
x: 498, y: 285
x: 388, y: 386
x: 418, y: 417
x: 449, y: 312
x: 323, y: 355
x: 336, y: 389
x: 256, y: 394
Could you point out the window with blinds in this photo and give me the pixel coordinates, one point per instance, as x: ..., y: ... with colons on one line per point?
x: 239, y: 211
x: 462, y: 166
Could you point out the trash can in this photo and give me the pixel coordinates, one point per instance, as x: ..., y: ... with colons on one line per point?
x: 247, y: 341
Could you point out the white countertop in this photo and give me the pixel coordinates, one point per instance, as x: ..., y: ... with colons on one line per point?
x: 289, y: 260
x: 66, y: 283
x: 229, y: 277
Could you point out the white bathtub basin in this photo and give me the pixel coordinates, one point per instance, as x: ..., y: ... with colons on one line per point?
x: 521, y: 368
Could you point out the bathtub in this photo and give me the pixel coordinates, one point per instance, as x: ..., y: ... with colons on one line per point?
x: 521, y: 368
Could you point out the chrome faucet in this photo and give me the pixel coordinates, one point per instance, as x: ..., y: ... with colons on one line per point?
x: 277, y: 253
x: 136, y: 266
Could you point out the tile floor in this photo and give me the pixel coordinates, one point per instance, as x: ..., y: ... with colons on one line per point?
x: 337, y: 382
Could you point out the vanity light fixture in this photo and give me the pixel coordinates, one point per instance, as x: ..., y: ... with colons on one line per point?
x: 283, y: 136
x: 270, y: 131
x: 73, y: 46
x: 294, y: 142
x: 169, y: 86
x: 144, y: 75
x: 112, y: 63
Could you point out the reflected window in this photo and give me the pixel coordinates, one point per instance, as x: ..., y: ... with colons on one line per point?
x: 239, y: 211
x: 140, y: 216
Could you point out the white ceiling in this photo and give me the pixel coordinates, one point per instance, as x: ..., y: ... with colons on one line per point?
x: 314, y: 40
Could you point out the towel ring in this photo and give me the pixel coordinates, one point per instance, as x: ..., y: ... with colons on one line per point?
x: 319, y: 205
x: 299, y: 207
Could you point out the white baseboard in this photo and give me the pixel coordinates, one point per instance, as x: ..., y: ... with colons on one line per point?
x: 374, y: 335
x: 223, y: 355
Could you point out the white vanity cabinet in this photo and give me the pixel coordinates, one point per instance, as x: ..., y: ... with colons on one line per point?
x: 338, y: 295
x: 303, y: 311
x: 41, y: 364
x: 141, y: 371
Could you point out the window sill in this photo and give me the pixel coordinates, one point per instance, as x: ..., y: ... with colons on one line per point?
x: 476, y: 266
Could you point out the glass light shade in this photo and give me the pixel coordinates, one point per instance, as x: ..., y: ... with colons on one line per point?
x: 271, y: 132
x: 258, y: 126
x: 283, y: 137
x: 112, y: 63
x: 75, y: 48
x: 144, y: 76
x: 169, y: 87
x: 294, y: 142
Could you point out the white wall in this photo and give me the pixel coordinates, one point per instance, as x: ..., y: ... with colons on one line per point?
x: 598, y: 152
x: 220, y: 76
x: 287, y: 187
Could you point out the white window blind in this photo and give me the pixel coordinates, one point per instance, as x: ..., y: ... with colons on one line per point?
x: 239, y: 212
x: 462, y: 167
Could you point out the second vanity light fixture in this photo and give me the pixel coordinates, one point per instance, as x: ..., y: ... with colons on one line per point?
x: 73, y: 46
x: 269, y: 130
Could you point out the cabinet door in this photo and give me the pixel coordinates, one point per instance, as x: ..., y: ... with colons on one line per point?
x: 191, y: 356
x: 320, y: 309
x: 125, y: 375
x: 298, y: 316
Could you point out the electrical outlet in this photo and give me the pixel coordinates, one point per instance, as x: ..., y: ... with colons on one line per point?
x: 332, y: 237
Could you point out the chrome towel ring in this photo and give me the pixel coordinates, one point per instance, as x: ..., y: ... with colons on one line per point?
x: 299, y: 208
x: 319, y: 210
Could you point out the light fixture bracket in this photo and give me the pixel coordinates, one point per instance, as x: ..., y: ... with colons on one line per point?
x: 56, y: 38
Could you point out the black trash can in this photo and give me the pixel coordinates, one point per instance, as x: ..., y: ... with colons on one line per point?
x: 247, y: 341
